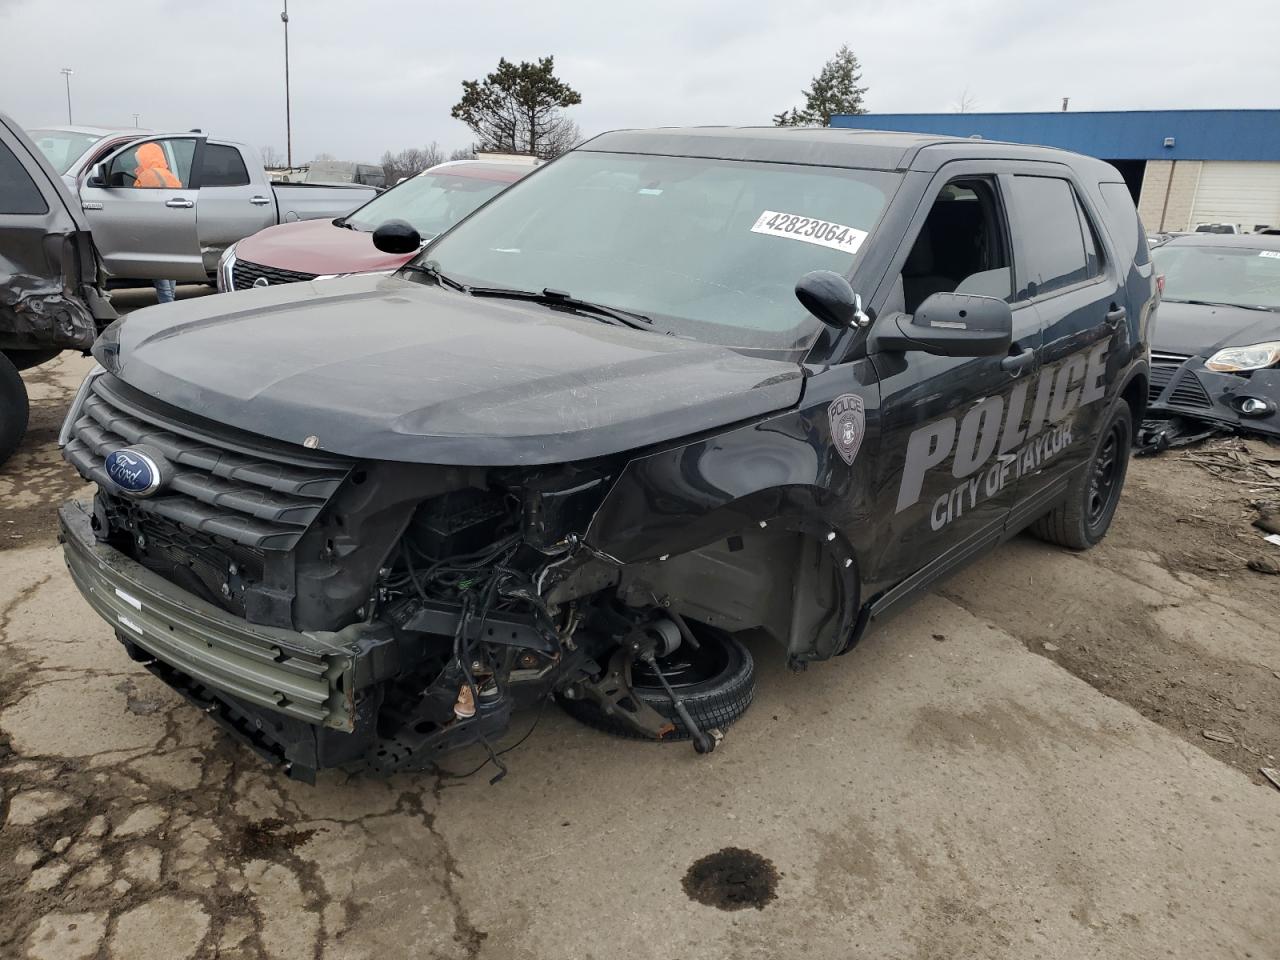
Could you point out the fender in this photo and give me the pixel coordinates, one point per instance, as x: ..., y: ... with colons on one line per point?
x: 781, y: 474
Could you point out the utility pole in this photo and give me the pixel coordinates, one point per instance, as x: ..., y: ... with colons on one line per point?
x: 288, y: 120
x: 66, y: 72
x: 1065, y: 101
x: 135, y: 119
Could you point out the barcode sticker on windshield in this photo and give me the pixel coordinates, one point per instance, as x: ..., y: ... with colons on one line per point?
x: 822, y: 232
x: 1269, y: 253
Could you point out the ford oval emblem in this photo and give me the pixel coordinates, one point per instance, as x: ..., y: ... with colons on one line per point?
x: 133, y: 472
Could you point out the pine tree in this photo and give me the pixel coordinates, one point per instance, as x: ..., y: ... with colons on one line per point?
x: 833, y: 91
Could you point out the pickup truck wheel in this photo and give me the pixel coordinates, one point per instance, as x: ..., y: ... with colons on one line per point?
x: 26, y: 359
x: 13, y: 408
x: 1082, y: 518
x: 716, y: 684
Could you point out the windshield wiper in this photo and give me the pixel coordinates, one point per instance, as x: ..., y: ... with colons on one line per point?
x: 1219, y: 303
x: 561, y: 298
x: 432, y: 269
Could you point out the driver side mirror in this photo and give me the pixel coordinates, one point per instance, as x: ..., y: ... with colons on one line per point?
x: 98, y: 178
x: 830, y: 298
x: 397, y: 236
x: 954, y: 325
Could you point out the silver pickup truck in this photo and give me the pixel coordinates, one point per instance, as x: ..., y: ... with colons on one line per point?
x: 175, y: 222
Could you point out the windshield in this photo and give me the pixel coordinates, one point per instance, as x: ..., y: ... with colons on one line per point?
x: 432, y: 202
x: 63, y: 148
x: 710, y: 249
x: 1238, y: 275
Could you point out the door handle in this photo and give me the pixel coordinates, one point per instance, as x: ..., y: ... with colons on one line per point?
x: 91, y: 205
x: 1015, y: 363
x: 259, y: 201
x: 179, y: 203
x: 1115, y: 315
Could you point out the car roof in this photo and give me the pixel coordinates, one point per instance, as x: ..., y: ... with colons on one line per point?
x: 482, y: 170
x: 90, y: 130
x: 827, y: 146
x: 1249, y: 241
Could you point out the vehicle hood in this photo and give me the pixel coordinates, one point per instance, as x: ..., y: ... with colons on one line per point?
x: 317, y: 247
x: 1194, y: 330
x: 385, y: 368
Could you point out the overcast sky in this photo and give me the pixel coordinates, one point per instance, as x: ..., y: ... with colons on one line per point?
x: 383, y: 73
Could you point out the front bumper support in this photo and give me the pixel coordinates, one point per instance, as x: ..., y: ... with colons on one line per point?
x: 313, y: 677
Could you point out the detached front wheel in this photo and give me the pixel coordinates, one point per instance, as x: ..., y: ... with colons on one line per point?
x: 716, y: 683
x: 1083, y: 517
x: 14, y: 409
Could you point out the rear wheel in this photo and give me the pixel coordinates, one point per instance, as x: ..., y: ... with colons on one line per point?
x: 1082, y: 518
x: 13, y: 408
x: 26, y: 359
x: 716, y: 683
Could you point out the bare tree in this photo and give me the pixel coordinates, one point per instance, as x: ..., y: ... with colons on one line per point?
x: 272, y: 158
x: 562, y: 136
x: 411, y: 161
x: 321, y: 157
x: 966, y: 103
x: 463, y: 153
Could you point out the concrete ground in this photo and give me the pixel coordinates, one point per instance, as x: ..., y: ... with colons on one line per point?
x: 947, y: 790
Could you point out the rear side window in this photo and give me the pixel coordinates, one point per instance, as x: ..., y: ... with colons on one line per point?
x: 223, y: 167
x: 18, y: 192
x: 1131, y: 236
x: 1049, y: 219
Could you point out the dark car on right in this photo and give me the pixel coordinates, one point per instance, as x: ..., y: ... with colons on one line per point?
x: 1215, y: 354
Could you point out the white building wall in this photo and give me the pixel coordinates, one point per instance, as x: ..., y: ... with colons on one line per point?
x: 1244, y: 193
x: 1179, y: 196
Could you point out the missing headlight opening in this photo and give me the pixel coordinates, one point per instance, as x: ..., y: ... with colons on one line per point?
x: 507, y: 606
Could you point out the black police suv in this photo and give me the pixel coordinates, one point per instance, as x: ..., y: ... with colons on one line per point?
x: 674, y: 386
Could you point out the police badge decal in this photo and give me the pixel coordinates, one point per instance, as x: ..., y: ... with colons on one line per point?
x: 848, y: 424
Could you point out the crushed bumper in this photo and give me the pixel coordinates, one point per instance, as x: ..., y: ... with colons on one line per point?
x: 1184, y: 387
x: 313, y: 677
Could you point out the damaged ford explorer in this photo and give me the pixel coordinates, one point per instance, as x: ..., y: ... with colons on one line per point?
x: 674, y: 388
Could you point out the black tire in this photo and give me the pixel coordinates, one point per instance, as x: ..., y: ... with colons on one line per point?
x: 14, y: 409
x: 1082, y: 518
x: 26, y: 359
x: 715, y: 701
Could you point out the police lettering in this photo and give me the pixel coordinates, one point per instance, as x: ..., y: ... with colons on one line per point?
x: 987, y: 428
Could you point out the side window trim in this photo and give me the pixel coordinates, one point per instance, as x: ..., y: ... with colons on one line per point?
x: 1055, y: 173
x: 998, y: 207
x: 19, y: 183
x: 197, y: 153
x: 248, y: 179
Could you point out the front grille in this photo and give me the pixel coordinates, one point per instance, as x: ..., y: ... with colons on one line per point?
x: 1167, y: 368
x: 213, y: 568
x: 1188, y: 392
x: 220, y: 481
x: 244, y: 273
x: 1161, y: 375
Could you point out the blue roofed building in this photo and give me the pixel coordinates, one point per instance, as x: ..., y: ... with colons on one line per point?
x: 1185, y: 168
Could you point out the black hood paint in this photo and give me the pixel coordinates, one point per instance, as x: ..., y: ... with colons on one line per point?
x: 1194, y: 330
x: 390, y: 369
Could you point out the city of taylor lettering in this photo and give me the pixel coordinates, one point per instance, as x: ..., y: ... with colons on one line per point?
x: 989, y: 429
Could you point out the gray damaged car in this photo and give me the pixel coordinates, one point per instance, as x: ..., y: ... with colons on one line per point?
x: 51, y: 297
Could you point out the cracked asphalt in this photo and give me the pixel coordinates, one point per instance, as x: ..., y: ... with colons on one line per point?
x: 946, y: 790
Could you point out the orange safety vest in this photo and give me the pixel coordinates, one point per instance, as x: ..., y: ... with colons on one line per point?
x: 152, y: 170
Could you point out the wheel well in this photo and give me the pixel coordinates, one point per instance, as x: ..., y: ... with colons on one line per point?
x: 1135, y: 395
x: 797, y: 585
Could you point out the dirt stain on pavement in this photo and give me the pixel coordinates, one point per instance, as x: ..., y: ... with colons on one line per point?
x: 732, y: 879
x: 263, y: 839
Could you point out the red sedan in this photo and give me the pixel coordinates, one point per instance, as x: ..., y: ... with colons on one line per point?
x: 432, y: 202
